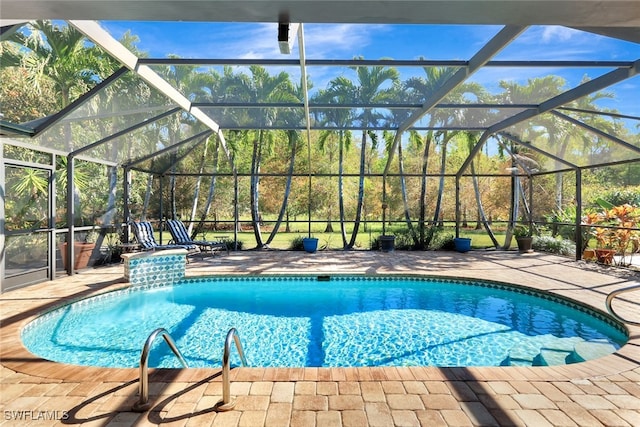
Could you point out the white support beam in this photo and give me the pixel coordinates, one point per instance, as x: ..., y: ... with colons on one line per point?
x: 102, y: 38
x: 573, y: 13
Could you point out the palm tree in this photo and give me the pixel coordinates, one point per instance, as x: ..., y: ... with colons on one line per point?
x: 183, y: 79
x: 419, y: 89
x: 58, y: 54
x: 339, y: 118
x: 537, y: 90
x: 207, y: 88
x: 293, y: 137
x: 389, y: 139
x: 472, y: 140
x: 448, y: 119
x: 261, y: 87
x: 374, y: 85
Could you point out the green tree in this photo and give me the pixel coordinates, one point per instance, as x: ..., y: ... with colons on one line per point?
x: 420, y: 89
x: 261, y: 87
x: 374, y: 85
x: 338, y: 118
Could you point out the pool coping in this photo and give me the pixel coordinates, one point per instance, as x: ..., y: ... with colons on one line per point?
x: 14, y: 355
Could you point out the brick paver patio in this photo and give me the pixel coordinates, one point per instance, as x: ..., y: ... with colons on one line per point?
x: 602, y: 392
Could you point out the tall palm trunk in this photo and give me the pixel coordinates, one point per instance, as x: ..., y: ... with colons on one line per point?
x: 172, y: 186
x: 255, y: 184
x: 147, y: 197
x: 523, y: 196
x: 212, y: 187
x: 405, y: 199
x: 515, y: 207
x: 443, y: 165
x: 343, y: 232
x: 110, y: 212
x: 287, y: 189
x: 481, y: 213
x: 329, y: 227
x: 423, y: 190
x: 363, y: 158
x: 196, y: 191
x: 558, y: 176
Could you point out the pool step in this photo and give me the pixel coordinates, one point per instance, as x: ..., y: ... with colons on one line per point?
x: 579, y: 352
x: 521, y: 357
x: 593, y: 349
x: 555, y: 356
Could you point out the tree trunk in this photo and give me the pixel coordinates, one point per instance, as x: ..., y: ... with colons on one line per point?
x: 287, y: 188
x: 196, y: 192
x: 558, y: 176
x: 212, y: 186
x: 481, y: 214
x: 423, y: 190
x: 405, y: 200
x: 343, y: 232
x: 515, y: 207
x: 147, y: 198
x: 363, y: 158
x: 255, y: 183
x: 172, y: 188
x: 443, y: 164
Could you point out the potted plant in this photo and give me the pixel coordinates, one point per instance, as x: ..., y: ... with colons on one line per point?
x: 82, y: 250
x: 613, y: 229
x: 462, y: 244
x: 523, y: 238
x: 310, y: 244
x: 387, y: 243
x: 604, y: 251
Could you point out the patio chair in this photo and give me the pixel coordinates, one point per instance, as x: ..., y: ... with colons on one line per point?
x: 180, y: 236
x: 143, y: 231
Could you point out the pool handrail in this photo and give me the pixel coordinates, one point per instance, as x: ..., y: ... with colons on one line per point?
x: 226, y: 404
x: 614, y: 294
x: 143, y: 401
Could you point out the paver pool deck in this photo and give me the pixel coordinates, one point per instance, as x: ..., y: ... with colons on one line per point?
x: 601, y: 392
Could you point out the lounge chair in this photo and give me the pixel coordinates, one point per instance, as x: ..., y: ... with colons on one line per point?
x: 180, y: 236
x: 143, y: 231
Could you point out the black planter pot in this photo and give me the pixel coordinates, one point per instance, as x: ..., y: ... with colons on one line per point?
x: 387, y: 243
x: 524, y: 244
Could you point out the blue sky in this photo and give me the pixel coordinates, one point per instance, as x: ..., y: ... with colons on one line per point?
x: 345, y: 41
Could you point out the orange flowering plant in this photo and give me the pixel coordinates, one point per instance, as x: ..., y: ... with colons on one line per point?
x: 614, y: 228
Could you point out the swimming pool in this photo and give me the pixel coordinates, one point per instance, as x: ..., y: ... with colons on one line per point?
x: 326, y: 321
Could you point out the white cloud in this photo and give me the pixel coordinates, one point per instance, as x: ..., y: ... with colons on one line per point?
x: 554, y: 33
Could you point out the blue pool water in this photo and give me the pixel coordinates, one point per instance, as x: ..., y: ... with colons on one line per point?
x: 303, y: 321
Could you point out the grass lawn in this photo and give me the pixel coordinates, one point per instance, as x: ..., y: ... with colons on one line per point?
x: 283, y: 240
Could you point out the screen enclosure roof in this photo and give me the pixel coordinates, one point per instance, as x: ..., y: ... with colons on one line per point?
x: 475, y: 59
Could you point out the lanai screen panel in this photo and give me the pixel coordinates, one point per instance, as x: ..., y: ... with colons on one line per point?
x: 470, y: 118
x: 153, y: 137
x: 394, y: 41
x: 184, y: 157
x: 121, y: 105
x: 189, y: 40
x: 242, y: 97
x: 554, y: 42
x: 64, y: 74
x: 576, y: 144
